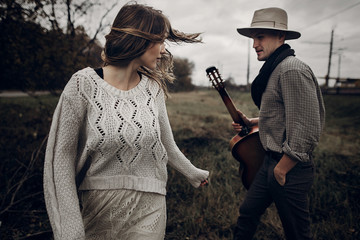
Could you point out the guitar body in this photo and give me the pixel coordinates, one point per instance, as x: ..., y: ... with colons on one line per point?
x: 250, y: 153
x: 246, y: 147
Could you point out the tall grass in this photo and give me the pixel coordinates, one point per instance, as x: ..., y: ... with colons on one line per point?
x: 335, y: 196
x: 202, y: 129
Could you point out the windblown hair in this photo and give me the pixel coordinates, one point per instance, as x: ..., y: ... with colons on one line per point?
x: 135, y: 27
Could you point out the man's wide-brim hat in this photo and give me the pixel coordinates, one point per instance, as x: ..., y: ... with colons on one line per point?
x: 271, y: 19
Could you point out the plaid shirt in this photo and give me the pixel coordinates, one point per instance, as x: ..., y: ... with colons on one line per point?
x: 292, y: 112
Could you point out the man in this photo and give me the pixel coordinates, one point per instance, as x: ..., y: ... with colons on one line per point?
x: 290, y: 121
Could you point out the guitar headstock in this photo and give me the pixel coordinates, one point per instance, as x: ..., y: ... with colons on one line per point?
x: 215, y: 78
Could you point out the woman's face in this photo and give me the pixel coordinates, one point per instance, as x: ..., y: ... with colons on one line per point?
x: 152, y: 55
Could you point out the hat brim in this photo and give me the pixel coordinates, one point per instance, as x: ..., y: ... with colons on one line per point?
x: 289, y: 35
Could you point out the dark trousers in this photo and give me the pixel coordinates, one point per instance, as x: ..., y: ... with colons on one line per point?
x: 291, y: 201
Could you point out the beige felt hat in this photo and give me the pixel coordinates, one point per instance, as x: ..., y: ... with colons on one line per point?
x: 272, y: 19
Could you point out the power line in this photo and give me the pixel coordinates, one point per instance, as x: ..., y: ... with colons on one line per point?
x: 331, y: 15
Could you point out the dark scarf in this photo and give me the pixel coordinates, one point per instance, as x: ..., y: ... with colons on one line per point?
x: 259, y: 84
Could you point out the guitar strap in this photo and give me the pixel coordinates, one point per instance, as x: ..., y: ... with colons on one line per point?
x: 258, y: 86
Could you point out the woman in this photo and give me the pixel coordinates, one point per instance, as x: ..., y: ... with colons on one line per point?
x: 110, y: 140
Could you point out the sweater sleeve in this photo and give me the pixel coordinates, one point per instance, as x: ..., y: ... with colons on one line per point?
x: 60, y: 191
x: 177, y: 159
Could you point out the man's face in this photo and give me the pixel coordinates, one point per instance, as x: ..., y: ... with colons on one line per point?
x: 266, y: 42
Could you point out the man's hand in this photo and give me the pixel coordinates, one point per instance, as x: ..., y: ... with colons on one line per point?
x: 282, y: 168
x: 250, y: 122
x: 280, y: 175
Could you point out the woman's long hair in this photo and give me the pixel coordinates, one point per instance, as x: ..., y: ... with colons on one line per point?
x: 135, y: 27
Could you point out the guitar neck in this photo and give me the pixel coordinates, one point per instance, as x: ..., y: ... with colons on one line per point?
x: 218, y: 83
x: 230, y: 107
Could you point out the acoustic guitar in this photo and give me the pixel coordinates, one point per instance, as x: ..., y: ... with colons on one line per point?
x: 245, y: 146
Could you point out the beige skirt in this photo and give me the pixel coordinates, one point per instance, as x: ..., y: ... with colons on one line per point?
x: 123, y: 214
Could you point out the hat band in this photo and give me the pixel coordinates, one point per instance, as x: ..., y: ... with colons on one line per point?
x: 270, y: 24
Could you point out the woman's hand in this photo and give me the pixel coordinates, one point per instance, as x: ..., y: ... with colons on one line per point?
x: 199, y: 178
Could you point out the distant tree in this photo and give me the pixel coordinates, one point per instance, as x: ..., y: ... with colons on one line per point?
x: 39, y: 50
x: 43, y: 43
x: 182, y: 70
x: 230, y: 82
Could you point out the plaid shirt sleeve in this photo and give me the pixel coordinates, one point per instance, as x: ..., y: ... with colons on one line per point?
x: 303, y: 122
x: 292, y: 111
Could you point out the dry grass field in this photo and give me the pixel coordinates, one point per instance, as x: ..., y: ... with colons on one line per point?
x: 201, y: 126
x: 202, y: 129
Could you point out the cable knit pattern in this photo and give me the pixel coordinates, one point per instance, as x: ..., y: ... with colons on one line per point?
x: 105, y: 138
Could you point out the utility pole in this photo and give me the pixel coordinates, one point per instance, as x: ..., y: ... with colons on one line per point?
x: 339, y: 63
x: 248, y: 67
x: 329, y: 65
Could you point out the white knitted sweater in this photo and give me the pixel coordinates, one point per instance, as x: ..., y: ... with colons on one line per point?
x: 105, y: 138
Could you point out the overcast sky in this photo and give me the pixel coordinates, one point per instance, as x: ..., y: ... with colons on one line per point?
x: 224, y: 48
